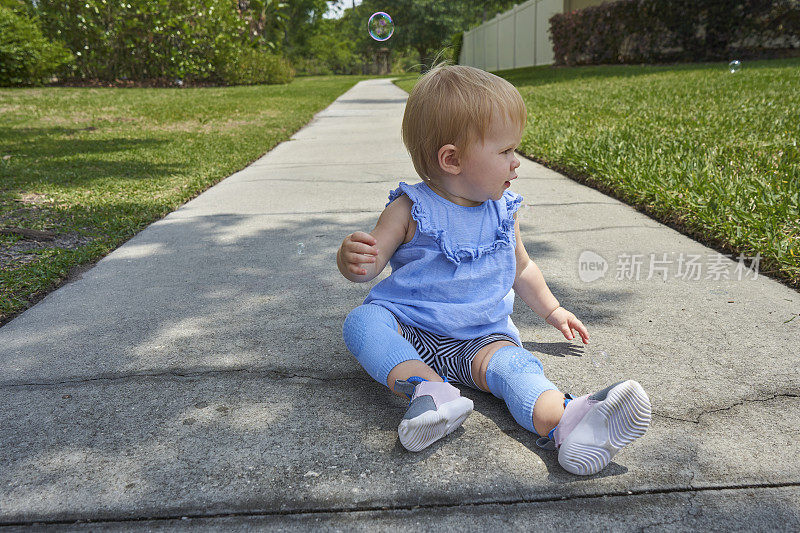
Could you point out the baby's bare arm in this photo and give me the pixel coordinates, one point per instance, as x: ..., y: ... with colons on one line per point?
x: 358, y: 251
x: 362, y: 256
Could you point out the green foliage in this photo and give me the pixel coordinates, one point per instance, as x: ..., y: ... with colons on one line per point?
x: 26, y: 56
x: 170, y: 40
x: 141, y: 39
x: 646, y: 31
x: 457, y: 42
x: 267, y: 21
x: 311, y: 66
x: 337, y: 53
x: 427, y: 26
x: 18, y: 6
x: 406, y: 63
x: 248, y: 66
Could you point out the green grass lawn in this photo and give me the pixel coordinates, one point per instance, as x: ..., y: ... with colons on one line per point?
x: 711, y: 153
x: 95, y: 166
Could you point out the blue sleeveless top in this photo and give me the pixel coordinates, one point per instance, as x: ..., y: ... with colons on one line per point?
x: 454, y: 277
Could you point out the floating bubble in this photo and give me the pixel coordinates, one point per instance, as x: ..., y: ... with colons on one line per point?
x: 599, y: 358
x: 380, y: 26
x: 734, y: 66
x: 301, y: 248
x: 524, y: 211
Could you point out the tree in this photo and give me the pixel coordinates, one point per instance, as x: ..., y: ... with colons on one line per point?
x: 426, y: 26
x: 266, y: 21
x: 283, y: 26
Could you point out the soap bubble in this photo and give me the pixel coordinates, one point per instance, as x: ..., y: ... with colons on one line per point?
x: 734, y: 65
x: 301, y: 248
x: 524, y: 211
x: 380, y: 26
x: 599, y: 358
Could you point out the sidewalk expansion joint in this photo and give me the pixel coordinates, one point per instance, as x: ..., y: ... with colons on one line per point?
x: 712, y: 411
x: 184, y: 217
x: 268, y: 374
x: 659, y: 526
x: 587, y: 230
x: 690, y: 492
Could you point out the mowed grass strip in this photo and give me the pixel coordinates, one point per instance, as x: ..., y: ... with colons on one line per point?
x: 708, y: 151
x: 95, y: 166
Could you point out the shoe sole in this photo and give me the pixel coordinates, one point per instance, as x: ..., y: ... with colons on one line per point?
x: 421, y: 431
x: 605, y: 429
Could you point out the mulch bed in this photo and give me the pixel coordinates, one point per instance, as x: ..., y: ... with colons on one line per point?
x: 27, y: 208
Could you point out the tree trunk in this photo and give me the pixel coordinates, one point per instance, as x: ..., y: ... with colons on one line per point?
x: 425, y: 58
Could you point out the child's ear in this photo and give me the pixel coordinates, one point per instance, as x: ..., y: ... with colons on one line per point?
x: 448, y: 159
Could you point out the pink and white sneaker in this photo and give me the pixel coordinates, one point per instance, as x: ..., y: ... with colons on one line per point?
x: 436, y: 410
x: 595, y: 427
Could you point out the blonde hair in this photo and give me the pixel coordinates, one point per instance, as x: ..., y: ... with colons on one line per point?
x: 454, y: 104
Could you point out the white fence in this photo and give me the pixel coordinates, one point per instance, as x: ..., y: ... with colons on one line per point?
x: 517, y: 38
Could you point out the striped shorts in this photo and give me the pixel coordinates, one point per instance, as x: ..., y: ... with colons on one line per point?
x: 450, y: 358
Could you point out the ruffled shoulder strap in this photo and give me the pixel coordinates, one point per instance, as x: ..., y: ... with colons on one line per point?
x: 509, y: 204
x: 404, y: 188
x: 512, y: 202
x: 425, y: 224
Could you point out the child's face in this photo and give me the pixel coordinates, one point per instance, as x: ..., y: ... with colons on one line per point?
x: 489, y: 169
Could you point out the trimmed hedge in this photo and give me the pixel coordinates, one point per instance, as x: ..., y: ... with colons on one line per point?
x: 142, y: 39
x: 248, y: 66
x: 26, y: 56
x: 651, y: 31
x: 174, y: 41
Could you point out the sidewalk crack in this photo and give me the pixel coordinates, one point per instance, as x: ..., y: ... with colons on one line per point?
x: 742, y: 402
x: 693, y: 491
x: 267, y: 374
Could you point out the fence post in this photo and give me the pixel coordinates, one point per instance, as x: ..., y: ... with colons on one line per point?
x: 514, y: 36
x: 535, y: 29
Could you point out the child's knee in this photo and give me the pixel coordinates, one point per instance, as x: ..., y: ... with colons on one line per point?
x: 370, y: 333
x: 514, y: 360
x: 513, y: 371
x: 517, y: 376
x: 362, y: 321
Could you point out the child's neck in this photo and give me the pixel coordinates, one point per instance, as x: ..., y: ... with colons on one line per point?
x: 464, y: 202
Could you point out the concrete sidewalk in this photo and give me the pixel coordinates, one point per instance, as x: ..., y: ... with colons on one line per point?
x: 197, y: 375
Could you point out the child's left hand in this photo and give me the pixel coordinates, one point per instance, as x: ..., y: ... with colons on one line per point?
x: 566, y: 322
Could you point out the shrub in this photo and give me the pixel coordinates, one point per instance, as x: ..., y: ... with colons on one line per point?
x: 335, y: 51
x: 249, y: 66
x: 642, y: 31
x: 310, y: 66
x: 407, y: 63
x: 26, y: 56
x: 144, y: 39
x: 457, y: 42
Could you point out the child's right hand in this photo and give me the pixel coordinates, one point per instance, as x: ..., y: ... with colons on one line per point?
x: 357, y: 249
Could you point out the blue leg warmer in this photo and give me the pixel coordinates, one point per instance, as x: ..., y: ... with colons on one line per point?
x: 516, y: 376
x: 370, y: 333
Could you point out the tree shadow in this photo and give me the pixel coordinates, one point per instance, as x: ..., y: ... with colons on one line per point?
x: 39, y: 153
x: 204, y: 311
x: 205, y: 360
